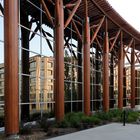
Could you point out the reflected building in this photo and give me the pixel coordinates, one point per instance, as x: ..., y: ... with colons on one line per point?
x: 41, y: 84
x: 127, y: 86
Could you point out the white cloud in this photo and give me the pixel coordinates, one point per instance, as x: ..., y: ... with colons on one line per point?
x: 129, y: 10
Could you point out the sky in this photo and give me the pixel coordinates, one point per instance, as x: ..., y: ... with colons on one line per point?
x: 129, y: 10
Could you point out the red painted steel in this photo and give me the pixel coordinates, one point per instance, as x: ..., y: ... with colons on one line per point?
x: 11, y: 56
x: 106, y: 71
x: 120, y: 74
x: 129, y: 45
x: 59, y: 60
x: 72, y: 13
x: 11, y: 67
x: 47, y: 12
x: 108, y: 10
x: 115, y: 39
x: 97, y: 30
x: 77, y: 30
x: 86, y: 63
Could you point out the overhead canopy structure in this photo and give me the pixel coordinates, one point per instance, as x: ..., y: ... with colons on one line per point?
x: 96, y: 10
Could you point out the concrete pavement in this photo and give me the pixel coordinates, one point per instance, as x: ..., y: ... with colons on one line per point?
x: 114, y: 131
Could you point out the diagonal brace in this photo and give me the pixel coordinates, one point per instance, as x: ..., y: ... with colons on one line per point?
x: 97, y: 30
x: 116, y: 37
x: 47, y: 12
x: 99, y: 45
x: 137, y: 58
x: 130, y: 44
x: 77, y: 30
x: 72, y: 13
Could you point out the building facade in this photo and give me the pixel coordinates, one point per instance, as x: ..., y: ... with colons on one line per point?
x: 93, y: 34
x: 41, y: 84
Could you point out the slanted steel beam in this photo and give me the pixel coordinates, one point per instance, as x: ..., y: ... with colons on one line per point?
x: 94, y: 26
x: 97, y: 30
x: 77, y: 30
x: 115, y: 39
x: 69, y: 5
x: 99, y: 45
x: 72, y: 13
x: 11, y: 67
x: 47, y: 12
x: 137, y: 60
x: 59, y: 60
x: 129, y: 45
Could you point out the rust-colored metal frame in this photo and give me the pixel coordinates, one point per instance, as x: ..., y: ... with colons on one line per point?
x: 106, y: 69
x: 86, y: 49
x: 107, y: 47
x: 133, y: 75
x: 120, y: 73
x: 11, y: 67
x: 59, y: 63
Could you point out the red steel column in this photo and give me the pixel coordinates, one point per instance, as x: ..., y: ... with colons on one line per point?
x: 120, y: 74
x: 86, y: 62
x: 87, y: 67
x: 59, y: 60
x: 106, y: 71
x: 133, y: 76
x: 11, y: 66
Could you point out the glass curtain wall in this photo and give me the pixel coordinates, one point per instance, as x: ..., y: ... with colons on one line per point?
x: 36, y: 66
x: 36, y: 61
x: 73, y: 62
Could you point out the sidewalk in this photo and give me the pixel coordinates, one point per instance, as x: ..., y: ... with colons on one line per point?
x: 114, y: 131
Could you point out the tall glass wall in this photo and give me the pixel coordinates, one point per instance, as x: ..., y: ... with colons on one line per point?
x: 36, y: 66
x: 36, y: 61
